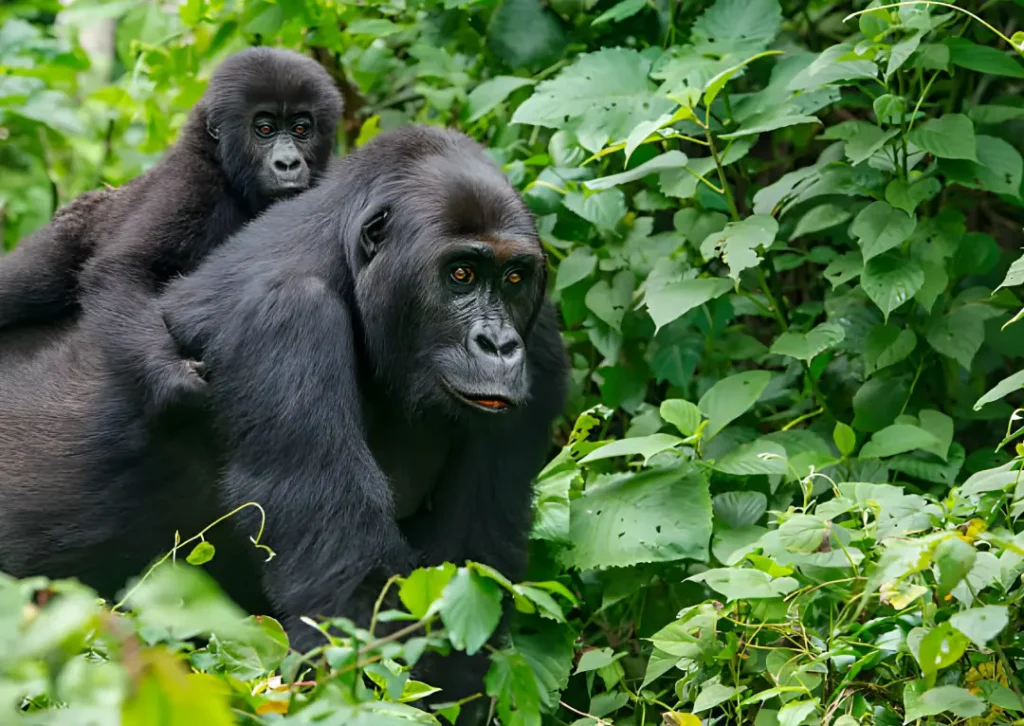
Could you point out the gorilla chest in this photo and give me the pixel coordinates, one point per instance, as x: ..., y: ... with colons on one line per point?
x: 413, y: 458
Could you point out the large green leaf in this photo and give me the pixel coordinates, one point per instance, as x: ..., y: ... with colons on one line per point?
x: 954, y: 699
x: 879, y: 228
x: 959, y: 333
x: 645, y: 446
x: 730, y: 398
x: 897, y: 439
x: 668, y: 160
x: 668, y: 302
x: 607, y: 92
x: 654, y: 516
x: 470, y: 609
x: 737, y: 27
x: 745, y: 583
x: 982, y: 624
x: 999, y: 168
x: 890, y: 280
x: 1004, y: 388
x: 984, y: 59
x: 947, y: 137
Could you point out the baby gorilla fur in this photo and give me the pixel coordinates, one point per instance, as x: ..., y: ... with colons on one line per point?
x: 109, y: 252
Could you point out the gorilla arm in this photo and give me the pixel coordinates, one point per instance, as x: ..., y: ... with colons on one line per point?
x: 286, y: 352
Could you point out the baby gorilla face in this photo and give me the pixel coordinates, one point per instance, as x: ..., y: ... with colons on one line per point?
x: 284, y: 145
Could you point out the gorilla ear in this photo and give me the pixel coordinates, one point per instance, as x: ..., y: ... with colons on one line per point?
x: 371, y: 237
x: 212, y: 130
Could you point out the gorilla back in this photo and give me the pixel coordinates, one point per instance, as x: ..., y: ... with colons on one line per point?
x: 384, y: 371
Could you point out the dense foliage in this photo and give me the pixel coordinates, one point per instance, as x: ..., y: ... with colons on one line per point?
x: 784, y: 243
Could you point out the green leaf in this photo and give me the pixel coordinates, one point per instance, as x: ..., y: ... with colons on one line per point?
x: 890, y: 281
x: 889, y: 109
x: 470, y: 610
x: 909, y: 196
x: 887, y: 345
x: 608, y: 91
x: 983, y: 59
x: 737, y: 27
x: 803, y: 533
x: 797, y: 712
x: 753, y: 458
x: 659, y: 515
x: 377, y: 27
x: 512, y: 682
x: 1014, y: 275
x: 878, y: 402
x: 844, y: 268
x: 805, y: 346
x: 682, y: 414
x: 999, y: 168
x: 957, y: 700
x: 714, y: 694
x: 261, y: 652
x: 982, y: 624
x: 954, y: 558
x: 897, y: 439
x: 879, y: 228
x: 866, y: 141
x: 745, y: 583
x: 941, y: 648
x: 738, y: 243
x: 187, y: 602
x: 609, y: 302
x: 844, y: 438
x: 604, y: 209
x: 486, y: 97
x: 740, y: 509
x: 201, y: 553
x: 524, y: 33
x: 645, y: 446
x: 996, y: 693
x: 423, y: 587
x: 668, y: 160
x: 959, y: 334
x: 947, y: 137
x: 577, y: 265
x: 596, y: 659
x: 620, y: 11
x: 1002, y: 389
x: 730, y: 398
x: 669, y: 302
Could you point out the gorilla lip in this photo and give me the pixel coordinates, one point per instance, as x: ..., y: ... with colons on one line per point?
x: 489, y: 403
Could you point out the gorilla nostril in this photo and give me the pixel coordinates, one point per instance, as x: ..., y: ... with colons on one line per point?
x: 486, y: 345
x: 509, y: 349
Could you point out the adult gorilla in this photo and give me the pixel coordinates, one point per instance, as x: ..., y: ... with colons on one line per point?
x: 384, y: 371
x: 264, y: 130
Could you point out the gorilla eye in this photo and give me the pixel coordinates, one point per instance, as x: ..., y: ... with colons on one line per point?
x: 301, y: 129
x: 463, y: 274
x: 514, y: 277
x: 264, y: 129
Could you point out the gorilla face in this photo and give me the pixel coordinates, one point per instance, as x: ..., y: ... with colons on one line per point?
x: 283, y: 143
x: 457, y: 271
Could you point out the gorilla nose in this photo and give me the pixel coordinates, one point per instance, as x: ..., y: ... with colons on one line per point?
x: 496, y: 342
x: 287, y: 164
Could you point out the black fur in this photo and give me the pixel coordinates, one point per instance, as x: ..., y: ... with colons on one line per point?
x: 110, y: 252
x: 327, y: 332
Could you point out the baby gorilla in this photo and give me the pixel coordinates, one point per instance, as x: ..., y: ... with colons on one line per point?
x: 264, y: 130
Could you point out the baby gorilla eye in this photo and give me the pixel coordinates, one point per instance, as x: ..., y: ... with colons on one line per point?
x: 300, y: 129
x: 264, y: 129
x: 463, y: 274
x: 514, y: 277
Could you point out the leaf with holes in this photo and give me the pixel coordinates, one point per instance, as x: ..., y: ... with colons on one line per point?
x: 658, y: 515
x: 999, y: 168
x: 608, y: 92
x: 739, y: 243
x: 609, y: 302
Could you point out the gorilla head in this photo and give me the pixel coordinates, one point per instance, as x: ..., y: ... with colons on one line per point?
x: 452, y: 238
x: 273, y: 114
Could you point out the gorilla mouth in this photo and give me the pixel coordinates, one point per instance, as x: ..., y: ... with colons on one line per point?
x: 484, y: 402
